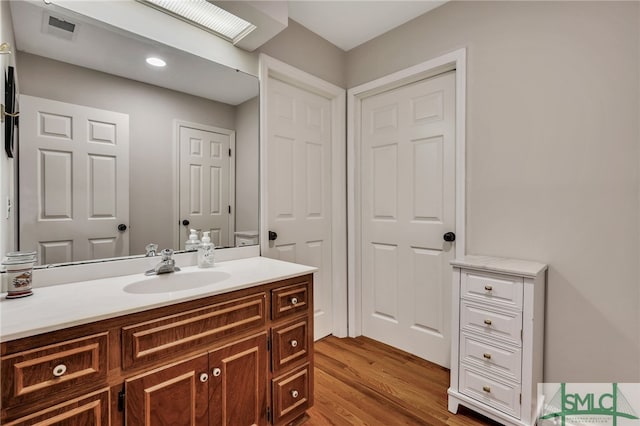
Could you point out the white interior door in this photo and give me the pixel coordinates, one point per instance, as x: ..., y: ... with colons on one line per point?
x: 299, y: 187
x: 408, y: 203
x: 74, y: 175
x: 204, y: 178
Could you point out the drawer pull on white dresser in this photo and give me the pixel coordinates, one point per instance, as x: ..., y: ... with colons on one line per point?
x: 498, y: 306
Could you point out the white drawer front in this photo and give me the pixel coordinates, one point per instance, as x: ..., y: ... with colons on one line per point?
x: 502, y: 360
x: 491, y: 323
x: 501, y: 395
x: 501, y: 290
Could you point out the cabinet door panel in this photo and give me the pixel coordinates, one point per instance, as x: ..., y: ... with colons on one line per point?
x: 160, y: 338
x: 89, y: 410
x: 292, y: 395
x: 238, y: 376
x: 290, y: 344
x: 290, y: 300
x: 175, y: 395
x: 57, y: 371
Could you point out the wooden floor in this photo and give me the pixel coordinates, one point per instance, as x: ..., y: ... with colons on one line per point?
x: 363, y: 382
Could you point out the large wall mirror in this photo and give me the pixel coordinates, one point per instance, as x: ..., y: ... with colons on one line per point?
x: 115, y: 153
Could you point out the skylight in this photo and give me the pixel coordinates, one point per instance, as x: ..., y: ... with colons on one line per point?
x: 207, y: 16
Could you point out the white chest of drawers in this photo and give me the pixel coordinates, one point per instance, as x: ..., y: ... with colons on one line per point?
x: 497, y: 337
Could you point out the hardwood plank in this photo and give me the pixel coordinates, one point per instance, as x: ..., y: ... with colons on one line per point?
x: 363, y: 382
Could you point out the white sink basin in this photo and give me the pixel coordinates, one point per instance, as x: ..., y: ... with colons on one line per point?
x: 176, y: 281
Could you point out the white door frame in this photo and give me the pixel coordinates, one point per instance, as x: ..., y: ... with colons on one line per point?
x: 271, y: 67
x: 177, y: 124
x: 451, y: 61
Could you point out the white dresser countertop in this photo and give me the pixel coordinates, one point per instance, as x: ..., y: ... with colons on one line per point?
x: 67, y: 305
x: 499, y: 264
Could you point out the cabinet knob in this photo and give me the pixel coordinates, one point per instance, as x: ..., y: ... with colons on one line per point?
x: 216, y: 372
x: 487, y: 389
x: 294, y: 300
x: 204, y: 377
x: 487, y: 322
x: 487, y: 356
x: 59, y: 370
x: 488, y: 287
x: 294, y: 343
x: 294, y: 393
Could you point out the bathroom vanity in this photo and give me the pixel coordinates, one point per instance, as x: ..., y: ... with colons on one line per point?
x: 113, y: 351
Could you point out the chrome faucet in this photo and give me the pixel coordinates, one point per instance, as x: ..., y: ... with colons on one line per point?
x: 151, y: 249
x: 166, y: 265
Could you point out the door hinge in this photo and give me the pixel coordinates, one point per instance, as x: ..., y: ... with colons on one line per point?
x: 121, y: 400
x: 520, y: 399
x: 268, y: 343
x: 229, y: 152
x: 269, y: 414
x: 229, y: 209
x: 521, y: 334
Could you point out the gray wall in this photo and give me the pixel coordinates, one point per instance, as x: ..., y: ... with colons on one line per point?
x: 309, y: 52
x: 151, y: 112
x: 247, y: 160
x: 552, y: 161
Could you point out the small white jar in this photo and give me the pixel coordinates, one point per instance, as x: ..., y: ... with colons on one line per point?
x: 18, y: 275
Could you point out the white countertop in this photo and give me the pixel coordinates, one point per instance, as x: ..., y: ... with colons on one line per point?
x: 67, y: 305
x: 500, y: 264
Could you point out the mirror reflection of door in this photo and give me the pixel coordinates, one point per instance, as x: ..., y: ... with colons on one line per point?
x: 205, y: 183
x: 74, y: 175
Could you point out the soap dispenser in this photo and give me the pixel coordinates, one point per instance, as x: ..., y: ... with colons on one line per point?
x: 193, y: 243
x: 205, y: 251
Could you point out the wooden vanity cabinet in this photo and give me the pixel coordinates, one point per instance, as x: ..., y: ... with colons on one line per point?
x: 239, y: 358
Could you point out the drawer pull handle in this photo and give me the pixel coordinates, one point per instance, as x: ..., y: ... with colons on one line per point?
x: 488, y: 287
x: 216, y: 372
x: 294, y: 300
x: 59, y: 370
x: 487, y: 389
x: 204, y: 377
x: 294, y: 393
x: 487, y: 322
x: 294, y: 343
x: 487, y: 355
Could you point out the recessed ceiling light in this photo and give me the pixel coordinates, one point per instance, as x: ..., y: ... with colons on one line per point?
x: 207, y: 16
x: 156, y: 62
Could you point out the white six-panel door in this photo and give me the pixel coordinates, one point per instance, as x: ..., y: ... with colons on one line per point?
x: 299, y: 187
x: 204, y: 183
x: 74, y: 179
x: 408, y: 202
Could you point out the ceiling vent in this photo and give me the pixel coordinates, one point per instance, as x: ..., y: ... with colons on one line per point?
x: 59, y: 26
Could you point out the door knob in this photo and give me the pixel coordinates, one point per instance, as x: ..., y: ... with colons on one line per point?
x: 186, y: 222
x: 272, y: 236
x: 449, y: 236
x: 122, y: 227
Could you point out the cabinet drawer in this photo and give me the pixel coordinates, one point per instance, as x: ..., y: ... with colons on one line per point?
x: 289, y: 300
x: 57, y: 371
x: 163, y: 337
x: 291, y: 395
x: 502, y: 395
x: 92, y: 409
x: 491, y: 323
x: 501, y: 360
x: 290, y: 344
x: 501, y: 290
